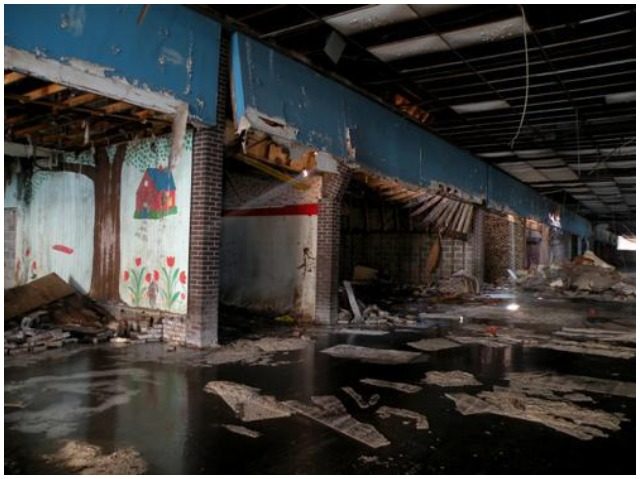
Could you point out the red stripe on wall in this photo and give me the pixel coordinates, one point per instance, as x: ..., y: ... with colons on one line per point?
x: 309, y: 209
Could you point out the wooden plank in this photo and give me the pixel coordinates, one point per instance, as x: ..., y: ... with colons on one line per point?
x: 80, y: 99
x: 426, y: 205
x: 445, y: 219
x: 44, y: 91
x: 435, y: 212
x: 117, y: 106
x: 13, y: 77
x: 468, y: 220
x: 355, y: 309
x: 23, y: 299
x: 15, y: 119
x: 457, y: 227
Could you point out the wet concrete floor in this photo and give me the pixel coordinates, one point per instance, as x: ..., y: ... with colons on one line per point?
x: 148, y: 398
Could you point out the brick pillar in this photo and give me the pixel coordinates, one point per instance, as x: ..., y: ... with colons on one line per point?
x: 206, y: 211
x: 477, y: 239
x: 328, y: 244
x: 504, y: 241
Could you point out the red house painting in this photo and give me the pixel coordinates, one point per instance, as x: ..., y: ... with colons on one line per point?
x: 156, y: 195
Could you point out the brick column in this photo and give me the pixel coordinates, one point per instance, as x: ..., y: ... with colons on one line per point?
x: 477, y: 239
x: 206, y: 211
x: 504, y: 242
x: 328, y: 244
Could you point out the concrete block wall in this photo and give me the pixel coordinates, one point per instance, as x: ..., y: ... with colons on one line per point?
x: 328, y: 244
x: 269, y: 251
x: 504, y: 245
x: 10, y: 232
x: 388, y: 240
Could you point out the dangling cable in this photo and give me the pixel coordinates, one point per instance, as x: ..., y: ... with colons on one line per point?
x: 526, y: 85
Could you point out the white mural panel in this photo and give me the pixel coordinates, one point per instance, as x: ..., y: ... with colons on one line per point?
x: 54, y: 229
x: 155, y: 206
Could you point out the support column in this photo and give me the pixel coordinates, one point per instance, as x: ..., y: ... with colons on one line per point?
x: 328, y: 244
x: 206, y: 211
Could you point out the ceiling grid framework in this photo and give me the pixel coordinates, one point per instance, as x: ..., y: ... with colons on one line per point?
x: 465, y: 66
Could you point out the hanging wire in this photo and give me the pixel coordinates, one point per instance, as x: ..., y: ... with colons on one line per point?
x: 526, y: 84
x: 603, y: 161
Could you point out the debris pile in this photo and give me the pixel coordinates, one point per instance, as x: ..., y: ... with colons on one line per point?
x: 587, y: 276
x: 595, y: 342
x: 82, y: 458
x: 49, y: 313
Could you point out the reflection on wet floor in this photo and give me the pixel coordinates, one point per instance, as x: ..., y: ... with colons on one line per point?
x: 527, y: 410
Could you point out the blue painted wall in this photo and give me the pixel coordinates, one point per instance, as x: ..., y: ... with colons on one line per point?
x: 323, y: 110
x: 174, y: 50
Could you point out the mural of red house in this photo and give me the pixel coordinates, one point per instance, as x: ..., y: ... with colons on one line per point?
x: 156, y: 195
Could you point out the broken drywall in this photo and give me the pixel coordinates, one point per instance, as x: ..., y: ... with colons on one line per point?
x: 563, y: 416
x: 371, y: 355
x: 451, y: 379
x: 360, y: 401
x: 434, y: 344
x: 247, y: 402
x: 402, y: 387
x: 421, y: 422
x: 256, y: 352
x: 329, y: 411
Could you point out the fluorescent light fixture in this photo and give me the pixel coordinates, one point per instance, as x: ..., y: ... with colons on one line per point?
x: 625, y: 180
x: 624, y: 97
x: 513, y: 307
x: 480, y: 106
x: 466, y: 37
x: 495, y: 154
x: 368, y: 18
x: 376, y: 16
x: 534, y: 153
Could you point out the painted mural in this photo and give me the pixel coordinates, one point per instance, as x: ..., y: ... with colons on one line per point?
x: 54, y: 213
x: 154, y: 214
x: 138, y: 252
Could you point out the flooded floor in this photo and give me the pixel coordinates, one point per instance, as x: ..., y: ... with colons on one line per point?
x: 151, y: 399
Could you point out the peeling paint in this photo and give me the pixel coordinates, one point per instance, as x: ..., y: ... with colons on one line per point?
x: 271, y: 125
x: 73, y: 20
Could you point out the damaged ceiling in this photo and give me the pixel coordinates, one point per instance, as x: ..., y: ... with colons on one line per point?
x: 462, y: 72
x: 56, y: 117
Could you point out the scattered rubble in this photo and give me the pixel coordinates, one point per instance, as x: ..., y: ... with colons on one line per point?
x: 257, y: 352
x: 591, y: 343
x: 373, y: 400
x: 568, y: 384
x: 329, y: 411
x: 434, y: 344
x: 247, y: 402
x: 421, y: 421
x: 82, y: 458
x: 563, y: 416
x: 586, y: 276
x: 371, y: 355
x: 243, y: 431
x: 451, y: 379
x: 402, y: 387
x: 48, y: 313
